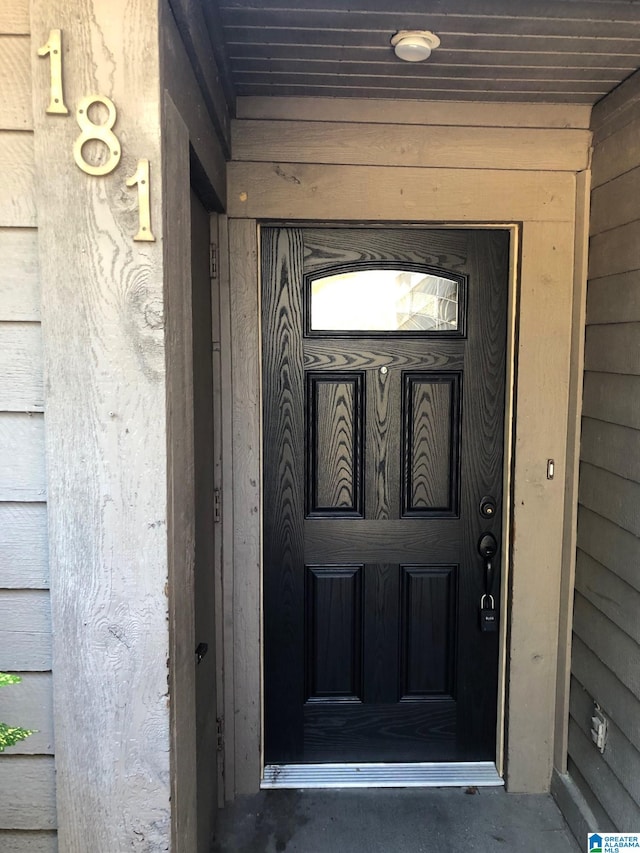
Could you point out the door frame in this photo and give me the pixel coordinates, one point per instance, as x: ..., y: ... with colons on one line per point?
x: 545, y: 283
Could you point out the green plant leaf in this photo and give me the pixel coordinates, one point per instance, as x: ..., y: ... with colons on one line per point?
x: 10, y: 736
x: 6, y: 678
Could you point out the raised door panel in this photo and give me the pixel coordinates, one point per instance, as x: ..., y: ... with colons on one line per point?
x: 334, y: 444
x: 333, y: 633
x: 431, y: 405
x: 428, y: 631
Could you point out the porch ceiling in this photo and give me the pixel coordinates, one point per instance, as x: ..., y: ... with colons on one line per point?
x: 561, y: 51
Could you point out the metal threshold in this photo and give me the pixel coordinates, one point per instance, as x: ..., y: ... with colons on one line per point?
x: 409, y: 775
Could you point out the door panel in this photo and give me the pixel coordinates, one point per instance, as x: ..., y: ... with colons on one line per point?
x: 430, y: 482
x: 428, y: 631
x: 334, y: 618
x: 378, y: 447
x: 335, y: 413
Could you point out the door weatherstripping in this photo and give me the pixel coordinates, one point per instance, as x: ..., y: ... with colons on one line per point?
x: 482, y: 774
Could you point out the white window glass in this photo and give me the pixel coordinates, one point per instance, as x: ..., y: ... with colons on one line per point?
x: 384, y: 301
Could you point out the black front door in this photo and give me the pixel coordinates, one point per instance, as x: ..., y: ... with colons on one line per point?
x: 384, y: 377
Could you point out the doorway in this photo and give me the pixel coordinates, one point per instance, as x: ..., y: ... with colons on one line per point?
x: 383, y: 388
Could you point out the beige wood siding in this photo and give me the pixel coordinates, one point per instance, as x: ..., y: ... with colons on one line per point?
x: 410, y: 145
x: 606, y: 633
x: 27, y: 811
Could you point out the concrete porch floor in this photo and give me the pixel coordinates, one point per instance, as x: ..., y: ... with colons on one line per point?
x: 426, y: 820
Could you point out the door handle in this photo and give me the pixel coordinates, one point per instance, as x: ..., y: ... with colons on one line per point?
x: 488, y: 548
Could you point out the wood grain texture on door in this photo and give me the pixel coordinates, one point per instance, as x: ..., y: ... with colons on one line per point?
x: 378, y: 447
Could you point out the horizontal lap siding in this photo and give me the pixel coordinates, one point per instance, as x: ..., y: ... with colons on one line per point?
x: 606, y: 647
x: 295, y: 167
x: 15, y: 82
x: 27, y: 775
x: 14, y: 17
x: 348, y: 161
x: 428, y: 113
x: 28, y: 842
x: 410, y: 145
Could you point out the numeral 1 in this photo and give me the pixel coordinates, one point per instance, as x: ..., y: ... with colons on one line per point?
x: 141, y: 179
x: 53, y: 49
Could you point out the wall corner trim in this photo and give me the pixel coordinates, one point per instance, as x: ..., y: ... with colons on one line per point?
x: 575, y: 809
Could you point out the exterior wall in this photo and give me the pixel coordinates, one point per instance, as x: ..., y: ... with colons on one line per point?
x: 27, y: 804
x: 606, y: 630
x: 115, y: 463
x: 341, y: 162
x: 518, y: 167
x: 106, y: 433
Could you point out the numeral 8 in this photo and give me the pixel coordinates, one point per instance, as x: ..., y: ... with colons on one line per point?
x: 100, y: 132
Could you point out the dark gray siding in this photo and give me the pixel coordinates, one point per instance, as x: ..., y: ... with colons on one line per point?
x: 606, y: 644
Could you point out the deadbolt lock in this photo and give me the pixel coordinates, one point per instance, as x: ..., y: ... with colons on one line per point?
x: 488, y: 507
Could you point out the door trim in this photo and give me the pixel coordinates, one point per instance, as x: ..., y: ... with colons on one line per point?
x: 545, y: 348
x: 270, y: 772
x: 443, y: 774
x: 508, y: 463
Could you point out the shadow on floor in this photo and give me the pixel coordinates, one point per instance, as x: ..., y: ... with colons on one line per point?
x: 434, y: 820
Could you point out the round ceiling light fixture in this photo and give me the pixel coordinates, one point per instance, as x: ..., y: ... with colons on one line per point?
x: 414, y: 45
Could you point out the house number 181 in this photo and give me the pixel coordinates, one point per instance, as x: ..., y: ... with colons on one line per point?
x: 91, y: 131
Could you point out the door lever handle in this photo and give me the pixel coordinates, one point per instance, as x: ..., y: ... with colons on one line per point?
x: 488, y: 548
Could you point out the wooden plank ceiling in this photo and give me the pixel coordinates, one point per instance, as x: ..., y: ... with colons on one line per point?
x: 560, y: 51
